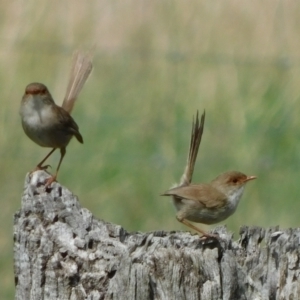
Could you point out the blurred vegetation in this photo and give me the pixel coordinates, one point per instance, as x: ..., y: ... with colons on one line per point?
x: 156, y: 63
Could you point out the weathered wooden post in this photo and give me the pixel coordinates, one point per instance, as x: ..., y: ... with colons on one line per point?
x: 62, y: 252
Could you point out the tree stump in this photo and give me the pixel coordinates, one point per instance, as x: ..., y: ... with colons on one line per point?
x: 62, y: 252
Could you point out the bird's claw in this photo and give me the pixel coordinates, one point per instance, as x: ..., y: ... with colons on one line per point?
x: 40, y: 168
x: 43, y: 167
x: 49, y: 181
x: 208, y: 236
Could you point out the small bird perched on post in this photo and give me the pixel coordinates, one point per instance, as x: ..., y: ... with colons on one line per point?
x: 206, y: 203
x: 48, y: 124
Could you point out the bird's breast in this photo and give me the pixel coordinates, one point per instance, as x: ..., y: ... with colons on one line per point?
x: 37, y: 116
x: 42, y: 126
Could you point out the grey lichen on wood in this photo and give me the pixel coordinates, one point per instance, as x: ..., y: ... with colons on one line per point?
x: 62, y: 252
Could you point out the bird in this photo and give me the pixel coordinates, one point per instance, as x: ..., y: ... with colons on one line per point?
x: 206, y: 203
x: 48, y: 124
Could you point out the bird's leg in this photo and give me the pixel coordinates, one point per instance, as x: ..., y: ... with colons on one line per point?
x: 53, y: 178
x: 40, y: 165
x: 204, y: 234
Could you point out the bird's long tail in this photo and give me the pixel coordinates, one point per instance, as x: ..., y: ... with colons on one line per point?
x: 197, y: 131
x: 80, y: 71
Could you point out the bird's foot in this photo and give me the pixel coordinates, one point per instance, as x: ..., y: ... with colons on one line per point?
x: 207, y: 236
x: 39, y: 168
x: 210, y: 235
x: 49, y: 181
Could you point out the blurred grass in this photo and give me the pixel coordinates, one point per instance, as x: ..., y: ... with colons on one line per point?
x: 156, y: 63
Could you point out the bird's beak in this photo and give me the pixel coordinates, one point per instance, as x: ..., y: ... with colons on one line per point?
x: 250, y: 178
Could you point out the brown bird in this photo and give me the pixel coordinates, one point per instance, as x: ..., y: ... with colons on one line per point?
x: 48, y: 124
x: 206, y: 203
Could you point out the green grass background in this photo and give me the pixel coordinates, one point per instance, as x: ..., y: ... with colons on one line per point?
x: 156, y: 63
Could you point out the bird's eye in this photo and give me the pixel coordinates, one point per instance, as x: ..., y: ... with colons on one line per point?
x: 234, y: 180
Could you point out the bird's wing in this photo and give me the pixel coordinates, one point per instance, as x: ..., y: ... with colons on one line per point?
x: 202, y: 193
x: 67, y: 123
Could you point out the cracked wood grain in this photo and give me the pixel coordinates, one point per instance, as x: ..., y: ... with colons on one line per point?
x: 62, y: 252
